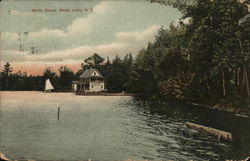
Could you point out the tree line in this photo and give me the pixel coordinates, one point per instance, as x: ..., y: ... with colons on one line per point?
x: 115, y: 73
x: 204, y: 58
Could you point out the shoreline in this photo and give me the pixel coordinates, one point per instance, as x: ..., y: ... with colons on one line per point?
x: 236, y: 112
x: 239, y: 112
x: 103, y: 94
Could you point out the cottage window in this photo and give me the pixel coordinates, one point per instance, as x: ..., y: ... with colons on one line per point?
x: 92, y: 86
x: 101, y: 86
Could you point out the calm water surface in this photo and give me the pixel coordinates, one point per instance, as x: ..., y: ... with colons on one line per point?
x: 113, y: 128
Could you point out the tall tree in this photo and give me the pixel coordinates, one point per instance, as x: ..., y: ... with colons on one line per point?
x: 5, y: 74
x: 48, y: 73
x: 7, y: 69
x: 66, y: 76
x: 205, y: 60
x: 95, y: 59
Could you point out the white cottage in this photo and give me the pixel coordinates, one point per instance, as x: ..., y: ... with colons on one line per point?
x: 90, y: 80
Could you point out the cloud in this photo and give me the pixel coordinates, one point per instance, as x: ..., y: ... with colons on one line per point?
x: 102, y: 8
x: 47, y: 33
x: 78, y: 27
x: 105, y: 31
x: 126, y: 42
x: 80, y: 53
x: 8, y: 36
x: 12, y: 55
x: 138, y: 37
x: 108, y: 25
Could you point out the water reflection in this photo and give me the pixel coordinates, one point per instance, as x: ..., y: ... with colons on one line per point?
x: 166, y: 121
x: 113, y: 128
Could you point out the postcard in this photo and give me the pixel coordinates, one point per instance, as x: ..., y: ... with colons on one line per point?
x: 124, y: 80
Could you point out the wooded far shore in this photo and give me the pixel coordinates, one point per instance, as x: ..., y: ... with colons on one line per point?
x: 204, y: 61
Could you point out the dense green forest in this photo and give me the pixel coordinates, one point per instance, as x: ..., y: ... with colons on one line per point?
x: 204, y: 57
x: 204, y: 60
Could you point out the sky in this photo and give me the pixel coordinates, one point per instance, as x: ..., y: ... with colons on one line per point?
x: 67, y: 32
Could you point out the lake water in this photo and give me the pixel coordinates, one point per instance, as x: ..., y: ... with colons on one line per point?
x: 113, y: 128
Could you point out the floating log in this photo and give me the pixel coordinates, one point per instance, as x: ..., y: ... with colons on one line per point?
x: 2, y: 157
x: 240, y: 115
x: 215, y: 132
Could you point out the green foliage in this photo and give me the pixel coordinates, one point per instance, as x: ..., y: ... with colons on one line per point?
x: 5, y: 76
x: 66, y: 76
x: 206, y: 60
x: 21, y: 82
x: 7, y: 69
x: 49, y: 74
x: 95, y: 59
x: 116, y: 73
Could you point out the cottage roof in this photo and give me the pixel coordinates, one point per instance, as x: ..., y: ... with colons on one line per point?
x: 88, y: 73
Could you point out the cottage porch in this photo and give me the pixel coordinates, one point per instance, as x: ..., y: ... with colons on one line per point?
x: 80, y: 86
